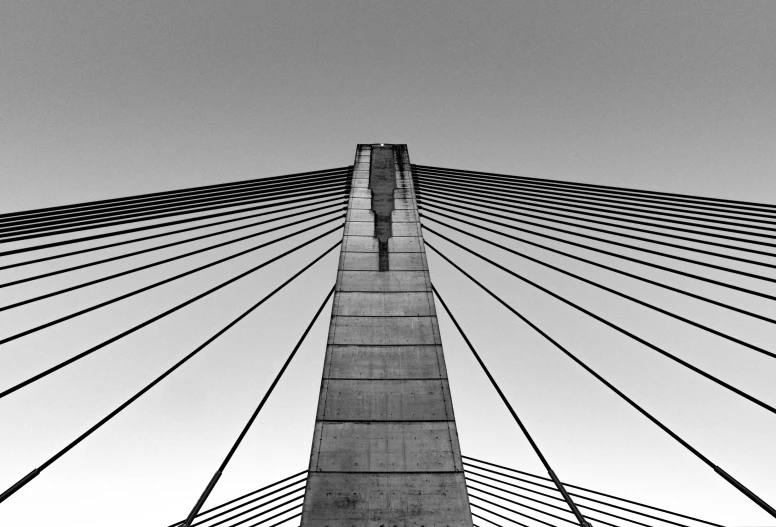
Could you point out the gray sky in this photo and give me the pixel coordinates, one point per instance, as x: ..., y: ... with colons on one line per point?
x: 105, y: 99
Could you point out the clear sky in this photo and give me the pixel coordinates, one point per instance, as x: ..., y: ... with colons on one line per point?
x: 106, y: 99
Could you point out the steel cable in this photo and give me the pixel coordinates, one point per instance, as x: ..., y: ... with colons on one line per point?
x: 303, y: 202
x: 612, y: 325
x: 607, y: 188
x: 730, y: 479
x: 582, y: 506
x: 163, y: 194
x: 665, y: 255
x: 510, y: 520
x: 583, y: 215
x: 44, y: 232
x: 580, y: 519
x: 173, y: 244
x: 600, y: 286
x: 522, y: 188
x: 265, y: 520
x: 336, y: 201
x: 151, y: 320
x: 475, y: 515
x: 551, y: 505
x: 243, y: 513
x: 650, y: 264
x: 159, y: 283
x: 433, y: 202
x: 21, y: 483
x: 255, y: 414
x: 529, y: 508
x: 253, y: 501
x: 632, y: 502
x: 275, y: 516
x: 598, y: 264
x: 179, y: 204
x: 609, y: 209
x: 160, y: 262
x: 176, y: 524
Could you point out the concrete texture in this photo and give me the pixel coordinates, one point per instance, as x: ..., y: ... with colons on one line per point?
x: 385, y: 281
x: 385, y: 400
x: 386, y: 499
x: 384, y: 362
x: 385, y: 449
x: 369, y: 261
x: 401, y: 304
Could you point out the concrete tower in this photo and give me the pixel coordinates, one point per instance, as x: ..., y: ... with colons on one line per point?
x: 385, y: 450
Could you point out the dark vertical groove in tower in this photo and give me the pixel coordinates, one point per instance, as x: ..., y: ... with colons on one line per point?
x: 382, y: 183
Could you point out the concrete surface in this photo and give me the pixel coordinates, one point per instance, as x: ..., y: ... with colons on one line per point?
x: 385, y: 450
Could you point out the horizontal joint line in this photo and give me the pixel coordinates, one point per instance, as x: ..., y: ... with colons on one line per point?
x: 385, y: 379
x: 385, y: 316
x: 362, y: 421
x: 366, y: 473
x: 385, y: 345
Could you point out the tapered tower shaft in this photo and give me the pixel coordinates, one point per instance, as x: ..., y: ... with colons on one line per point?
x: 385, y: 449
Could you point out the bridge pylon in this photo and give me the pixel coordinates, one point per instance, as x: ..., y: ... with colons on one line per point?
x: 385, y: 448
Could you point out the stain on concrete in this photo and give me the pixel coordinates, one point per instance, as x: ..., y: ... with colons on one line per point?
x: 347, y: 502
x: 382, y: 183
